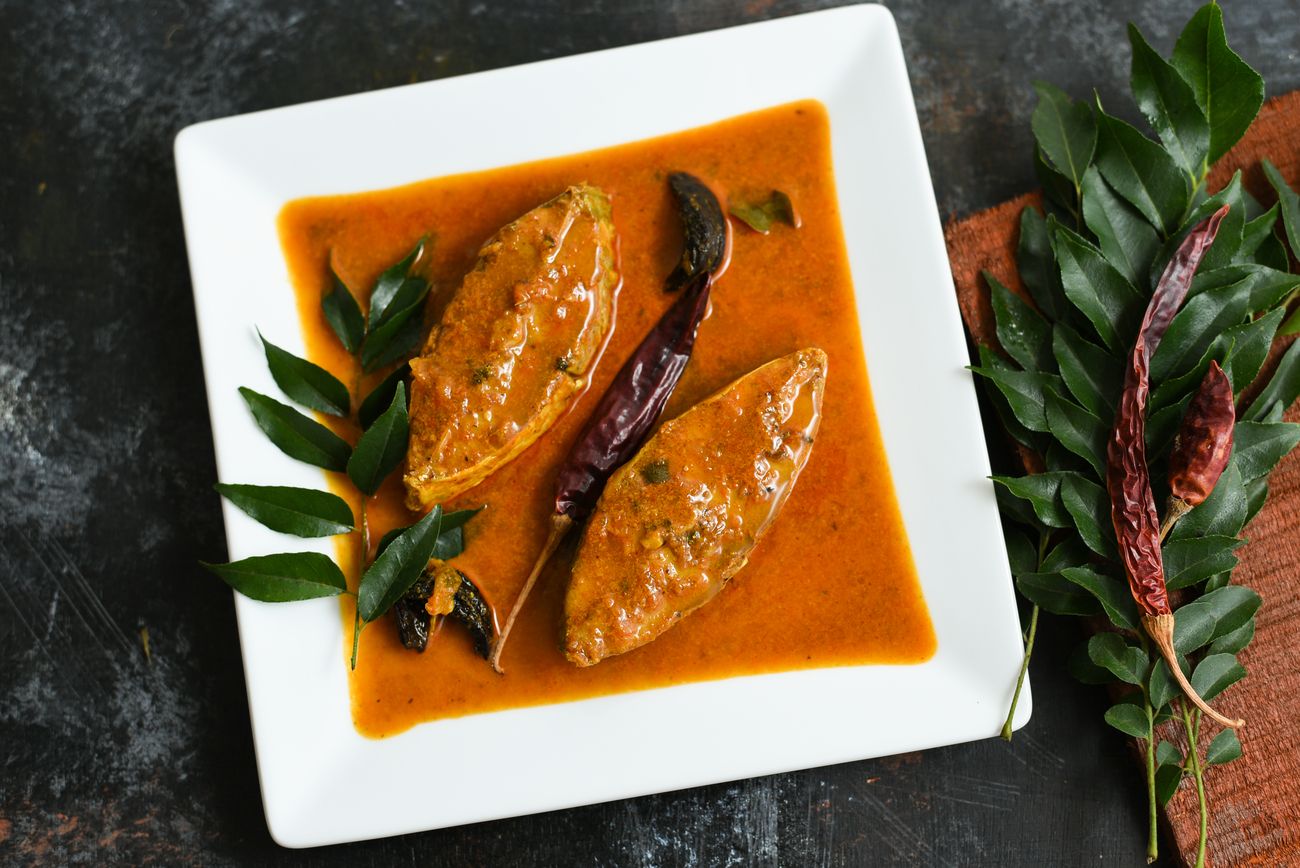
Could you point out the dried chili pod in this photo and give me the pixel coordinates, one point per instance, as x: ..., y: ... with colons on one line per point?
x: 1128, y: 479
x: 1202, y: 447
x: 707, y: 231
x: 632, y: 403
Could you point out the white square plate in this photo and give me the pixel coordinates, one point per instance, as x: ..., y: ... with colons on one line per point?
x: 324, y: 783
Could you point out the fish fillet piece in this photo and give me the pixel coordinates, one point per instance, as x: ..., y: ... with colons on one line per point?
x: 680, y: 519
x: 514, y: 344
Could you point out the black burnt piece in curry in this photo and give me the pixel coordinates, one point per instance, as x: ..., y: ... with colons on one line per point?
x: 705, y: 227
x: 444, y: 591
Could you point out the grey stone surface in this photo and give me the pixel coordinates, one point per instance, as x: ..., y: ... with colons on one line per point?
x: 106, y: 464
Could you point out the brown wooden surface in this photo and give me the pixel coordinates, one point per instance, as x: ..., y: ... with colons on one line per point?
x: 1255, y: 801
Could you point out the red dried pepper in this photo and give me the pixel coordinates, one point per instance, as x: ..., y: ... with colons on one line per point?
x: 634, y: 400
x: 1128, y: 479
x: 1202, y: 447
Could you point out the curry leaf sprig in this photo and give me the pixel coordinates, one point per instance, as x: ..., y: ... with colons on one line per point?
x: 387, y: 334
x: 1118, y: 203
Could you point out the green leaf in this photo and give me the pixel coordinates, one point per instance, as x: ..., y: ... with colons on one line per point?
x: 1057, y: 188
x: 1168, y: 777
x: 381, y: 396
x: 1097, y: 289
x: 1024, y: 392
x: 1231, y: 607
x: 1181, y: 387
x: 1022, y: 554
x: 1083, y: 669
x: 1215, y: 674
x: 1289, y: 202
x: 1167, y: 754
x: 302, y: 512
x: 1127, y: 240
x: 1021, y: 331
x: 1231, y: 643
x: 1227, y: 242
x: 1161, y: 686
x: 1254, y: 234
x: 1192, y: 560
x: 1226, y: 87
x: 1093, y: 375
x: 1193, y: 626
x: 1196, y: 326
x: 1257, y: 447
x: 396, y: 337
x: 1282, y: 389
x: 1065, y: 131
x: 1126, y: 662
x: 1037, y: 265
x: 1223, y: 513
x: 1112, y: 593
x: 1089, y: 509
x: 1163, y: 423
x: 398, y: 566
x: 1043, y: 491
x: 1054, y: 593
x: 1069, y: 552
x: 761, y: 216
x: 1169, y: 104
x: 1129, y: 719
x: 1077, y: 430
x: 1251, y: 343
x: 283, y: 578
x: 1141, y: 172
x: 390, y: 285
x: 1268, y: 286
x: 1223, y: 749
x: 343, y: 314
x: 296, y: 435
x: 382, y: 447
x: 308, y: 384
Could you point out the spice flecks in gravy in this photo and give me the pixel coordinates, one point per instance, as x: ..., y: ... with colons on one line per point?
x: 833, y: 581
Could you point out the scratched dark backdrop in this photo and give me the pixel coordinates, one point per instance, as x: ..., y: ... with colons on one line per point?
x: 106, y: 463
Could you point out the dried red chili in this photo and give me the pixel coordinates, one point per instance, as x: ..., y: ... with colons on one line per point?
x: 632, y: 403
x: 1202, y: 447
x: 1128, y: 479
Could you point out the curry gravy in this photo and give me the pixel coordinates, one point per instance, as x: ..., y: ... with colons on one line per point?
x: 831, y: 584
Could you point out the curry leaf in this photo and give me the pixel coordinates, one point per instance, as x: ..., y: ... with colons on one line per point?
x: 1054, y: 593
x: 1193, y: 626
x: 1089, y: 509
x: 1141, y: 172
x: 1057, y: 188
x: 343, y: 314
x: 1022, y: 555
x: 1233, y: 642
x: 1258, y: 446
x: 382, y: 447
x: 1128, y: 718
x: 1216, y: 673
x: 1083, y: 669
x: 1162, y: 424
x: 1225, y: 748
x: 1092, y: 374
x: 296, y: 435
x: 1043, y: 491
x: 391, y: 283
x: 1127, y: 240
x: 1065, y: 131
x: 1113, y: 595
x: 1251, y: 343
x: 762, y: 215
x: 1229, y: 91
x: 1168, y: 777
x: 1097, y: 289
x: 1182, y: 386
x: 1194, y: 559
x: 307, y: 383
x: 1037, y: 265
x: 1223, y: 513
x: 1161, y: 686
x: 283, y: 578
x: 1230, y: 606
x: 1195, y: 327
x: 396, y: 337
x: 1289, y: 202
x: 1169, y: 104
x: 1077, y: 430
x: 398, y: 566
x: 1021, y: 330
x: 302, y: 512
x: 1126, y: 662
x: 381, y: 396
x: 1023, y: 391
x: 1282, y: 389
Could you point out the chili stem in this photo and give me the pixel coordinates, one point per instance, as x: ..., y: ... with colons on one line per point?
x: 560, y: 525
x: 1024, y: 668
x: 1176, y: 509
x: 1161, y: 630
x: 1192, y: 724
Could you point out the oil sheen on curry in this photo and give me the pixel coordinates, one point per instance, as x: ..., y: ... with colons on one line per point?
x: 755, y: 530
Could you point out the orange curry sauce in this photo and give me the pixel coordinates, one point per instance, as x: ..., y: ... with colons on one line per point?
x: 831, y: 584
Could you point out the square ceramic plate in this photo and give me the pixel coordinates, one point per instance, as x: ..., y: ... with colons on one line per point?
x: 236, y: 173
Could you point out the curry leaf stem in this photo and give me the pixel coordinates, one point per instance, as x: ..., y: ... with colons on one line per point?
x: 1029, y: 645
x: 1191, y: 723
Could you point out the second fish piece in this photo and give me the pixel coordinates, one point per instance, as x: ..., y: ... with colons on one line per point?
x: 514, y: 345
x: 680, y: 519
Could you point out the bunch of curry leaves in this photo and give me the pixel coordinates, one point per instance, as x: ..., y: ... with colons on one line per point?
x: 1118, y: 204
x: 387, y: 334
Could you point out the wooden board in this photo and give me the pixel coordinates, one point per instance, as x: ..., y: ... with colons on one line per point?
x: 1255, y: 801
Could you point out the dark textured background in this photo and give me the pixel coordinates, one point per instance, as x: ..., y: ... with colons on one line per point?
x: 106, y: 463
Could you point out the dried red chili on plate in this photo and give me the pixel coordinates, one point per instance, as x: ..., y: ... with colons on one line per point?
x: 1128, y: 478
x: 1202, y: 447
